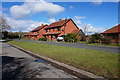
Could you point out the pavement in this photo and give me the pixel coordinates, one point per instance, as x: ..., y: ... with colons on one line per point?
x: 18, y: 64
x: 81, y: 45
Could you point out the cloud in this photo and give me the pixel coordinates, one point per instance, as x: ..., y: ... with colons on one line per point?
x: 24, y: 25
x: 0, y: 13
x: 71, y: 7
x: 4, y: 9
x: 22, y: 11
x: 78, y: 22
x: 89, y: 29
x: 79, y: 17
x: 99, y: 2
x: 52, y: 20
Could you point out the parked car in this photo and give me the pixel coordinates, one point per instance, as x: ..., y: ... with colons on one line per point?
x: 60, y: 38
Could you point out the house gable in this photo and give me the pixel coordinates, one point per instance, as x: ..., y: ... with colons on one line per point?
x: 69, y: 26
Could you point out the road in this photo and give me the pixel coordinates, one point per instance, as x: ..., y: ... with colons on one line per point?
x: 81, y: 45
x: 17, y: 64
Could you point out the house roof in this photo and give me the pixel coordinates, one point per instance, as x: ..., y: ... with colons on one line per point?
x: 76, y: 31
x: 51, y: 33
x: 36, y: 29
x: 115, y: 29
x: 39, y: 27
x: 31, y: 33
x: 59, y: 23
x: 27, y: 34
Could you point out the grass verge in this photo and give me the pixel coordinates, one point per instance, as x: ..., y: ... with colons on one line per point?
x: 112, y: 45
x: 98, y: 62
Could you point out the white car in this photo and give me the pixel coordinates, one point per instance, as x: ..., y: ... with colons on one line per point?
x: 60, y: 38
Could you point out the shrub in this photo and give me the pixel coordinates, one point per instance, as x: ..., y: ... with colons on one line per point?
x: 5, y: 34
x: 71, y: 37
x: 105, y: 40
x: 94, y: 38
x: 13, y: 35
x: 42, y: 39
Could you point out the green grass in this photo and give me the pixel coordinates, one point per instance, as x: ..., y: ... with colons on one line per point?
x: 98, y: 62
x: 114, y: 45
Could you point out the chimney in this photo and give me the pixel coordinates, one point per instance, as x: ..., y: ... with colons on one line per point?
x: 42, y: 24
x: 60, y: 19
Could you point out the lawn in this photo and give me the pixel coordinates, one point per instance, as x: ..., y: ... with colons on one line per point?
x: 112, y: 45
x: 98, y: 62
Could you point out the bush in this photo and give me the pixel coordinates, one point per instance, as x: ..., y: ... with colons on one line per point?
x: 71, y: 37
x: 105, y: 40
x: 12, y: 35
x: 5, y: 34
x: 42, y: 39
x: 94, y: 38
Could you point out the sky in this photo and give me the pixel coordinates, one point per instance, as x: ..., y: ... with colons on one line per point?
x: 25, y: 16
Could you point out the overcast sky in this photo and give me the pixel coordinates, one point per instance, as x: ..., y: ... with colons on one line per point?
x: 25, y: 16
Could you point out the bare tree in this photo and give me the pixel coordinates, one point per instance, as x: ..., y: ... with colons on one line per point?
x: 20, y: 34
x: 85, y: 29
x: 4, y: 27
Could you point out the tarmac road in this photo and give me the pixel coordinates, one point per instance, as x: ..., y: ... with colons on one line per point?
x: 81, y: 45
x: 17, y: 64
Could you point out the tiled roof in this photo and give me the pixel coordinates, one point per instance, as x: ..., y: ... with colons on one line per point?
x: 76, y: 31
x: 31, y: 33
x: 27, y: 33
x: 51, y: 33
x: 34, y: 33
x: 115, y: 29
x: 39, y: 27
x: 59, y: 23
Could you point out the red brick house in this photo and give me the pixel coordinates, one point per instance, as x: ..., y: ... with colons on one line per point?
x: 113, y: 33
x: 36, y: 33
x: 52, y: 31
x: 61, y: 27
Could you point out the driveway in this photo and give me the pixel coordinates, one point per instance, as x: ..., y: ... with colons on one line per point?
x: 18, y: 64
x: 80, y: 45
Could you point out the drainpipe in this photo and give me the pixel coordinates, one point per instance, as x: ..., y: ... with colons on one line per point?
x: 64, y: 28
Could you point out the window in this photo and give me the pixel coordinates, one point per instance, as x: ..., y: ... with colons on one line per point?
x: 58, y: 29
x: 44, y: 36
x: 55, y: 36
x: 46, y: 30
x: 49, y: 30
x: 53, y: 29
